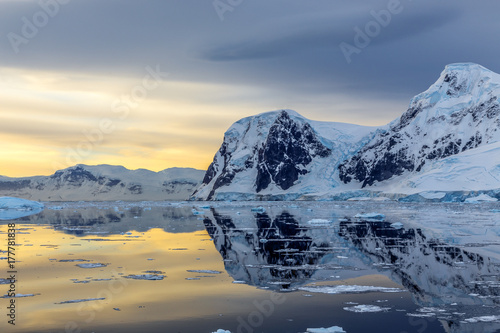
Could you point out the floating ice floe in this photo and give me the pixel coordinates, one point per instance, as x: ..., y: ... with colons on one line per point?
x: 258, y: 209
x: 151, y: 277
x: 19, y: 295
x: 483, y: 319
x: 426, y: 312
x: 333, y: 329
x: 14, y: 208
x: 481, y: 198
x: 371, y: 216
x: 92, y: 265
x: 344, y: 289
x: 204, y: 271
x: 81, y: 300
x: 397, y: 225
x: 319, y: 222
x: 220, y: 330
x: 366, y: 308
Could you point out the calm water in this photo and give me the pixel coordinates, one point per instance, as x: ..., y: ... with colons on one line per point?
x: 191, y: 267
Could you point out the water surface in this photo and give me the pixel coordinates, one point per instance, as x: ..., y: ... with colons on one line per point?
x: 255, y: 267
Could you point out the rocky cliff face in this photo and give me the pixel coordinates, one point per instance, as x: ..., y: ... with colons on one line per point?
x: 277, y: 153
x: 290, y: 147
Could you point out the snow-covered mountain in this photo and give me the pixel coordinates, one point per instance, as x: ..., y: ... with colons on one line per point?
x: 281, y: 155
x: 105, y: 182
x: 458, y: 113
x: 448, y: 140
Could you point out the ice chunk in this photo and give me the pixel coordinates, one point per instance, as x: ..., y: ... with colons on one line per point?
x: 18, y: 295
x: 220, y: 330
x: 483, y: 319
x: 397, y: 225
x: 344, y: 289
x: 81, y: 300
x: 371, y: 216
x: 204, y: 271
x: 319, y: 222
x: 151, y: 277
x: 14, y: 208
x: 366, y: 308
x: 481, y: 198
x: 92, y: 265
x: 333, y: 329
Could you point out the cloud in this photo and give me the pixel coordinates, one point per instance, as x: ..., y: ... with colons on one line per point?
x: 265, y: 55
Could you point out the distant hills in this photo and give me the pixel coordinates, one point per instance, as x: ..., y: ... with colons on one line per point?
x: 103, y: 183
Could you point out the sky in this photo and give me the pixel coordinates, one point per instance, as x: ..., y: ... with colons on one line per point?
x: 155, y: 83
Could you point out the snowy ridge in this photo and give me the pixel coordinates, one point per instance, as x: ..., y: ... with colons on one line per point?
x: 105, y: 182
x: 458, y: 113
x: 447, y: 142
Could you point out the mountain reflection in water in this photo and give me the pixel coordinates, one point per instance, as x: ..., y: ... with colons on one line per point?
x: 282, y: 254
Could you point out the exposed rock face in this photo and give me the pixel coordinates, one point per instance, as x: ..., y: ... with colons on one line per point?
x: 276, y: 152
x: 288, y: 150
